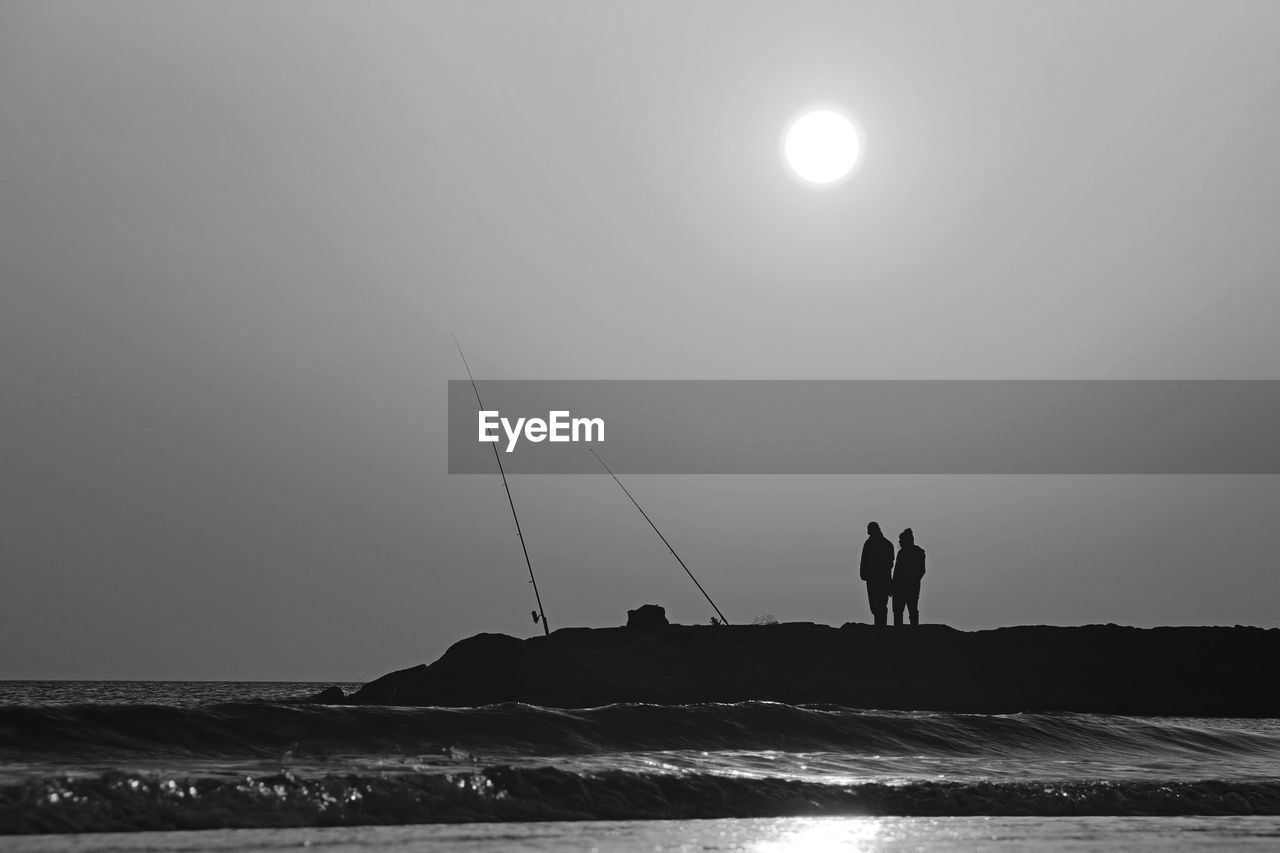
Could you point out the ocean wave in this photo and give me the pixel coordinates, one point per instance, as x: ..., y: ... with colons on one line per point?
x: 121, y: 733
x: 135, y: 802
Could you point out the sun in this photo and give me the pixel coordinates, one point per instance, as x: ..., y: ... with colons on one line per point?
x: 822, y: 146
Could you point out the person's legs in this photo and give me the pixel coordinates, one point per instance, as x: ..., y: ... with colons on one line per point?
x: 898, y: 604
x: 913, y: 607
x: 879, y: 602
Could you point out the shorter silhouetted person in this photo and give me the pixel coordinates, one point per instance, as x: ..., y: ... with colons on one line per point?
x: 876, y: 568
x: 908, y: 569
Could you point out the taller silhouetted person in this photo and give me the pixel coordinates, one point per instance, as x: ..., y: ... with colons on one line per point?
x: 908, y: 569
x: 876, y: 568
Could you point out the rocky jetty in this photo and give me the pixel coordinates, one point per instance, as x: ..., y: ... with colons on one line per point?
x: 1095, y: 669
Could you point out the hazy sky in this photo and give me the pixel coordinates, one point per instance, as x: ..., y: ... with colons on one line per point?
x: 234, y: 238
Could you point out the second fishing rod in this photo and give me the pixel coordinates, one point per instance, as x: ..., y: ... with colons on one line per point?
x: 723, y: 620
x: 540, y: 614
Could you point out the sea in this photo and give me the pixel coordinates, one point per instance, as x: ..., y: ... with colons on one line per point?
x: 213, y: 766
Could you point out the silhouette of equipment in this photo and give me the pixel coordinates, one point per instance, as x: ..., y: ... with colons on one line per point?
x: 647, y: 616
x: 546, y: 626
x: 723, y: 620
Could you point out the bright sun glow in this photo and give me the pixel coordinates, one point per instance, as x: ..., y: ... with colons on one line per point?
x: 822, y: 146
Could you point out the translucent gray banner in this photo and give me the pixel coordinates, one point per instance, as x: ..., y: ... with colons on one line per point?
x: 869, y: 427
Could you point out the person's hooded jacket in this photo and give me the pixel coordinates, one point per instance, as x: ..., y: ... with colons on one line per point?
x: 908, y: 569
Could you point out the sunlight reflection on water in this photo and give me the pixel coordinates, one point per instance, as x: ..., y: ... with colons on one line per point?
x: 753, y: 835
x: 820, y: 836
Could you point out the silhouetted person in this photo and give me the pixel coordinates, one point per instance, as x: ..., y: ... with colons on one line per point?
x: 875, y: 569
x: 907, y: 572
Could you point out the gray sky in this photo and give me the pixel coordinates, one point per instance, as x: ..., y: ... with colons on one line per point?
x: 234, y: 238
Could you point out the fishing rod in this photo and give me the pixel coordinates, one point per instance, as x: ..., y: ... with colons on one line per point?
x: 540, y: 614
x: 723, y: 621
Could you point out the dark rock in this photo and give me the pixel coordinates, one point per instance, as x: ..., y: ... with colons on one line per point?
x: 330, y: 696
x: 1091, y: 669
x: 647, y: 616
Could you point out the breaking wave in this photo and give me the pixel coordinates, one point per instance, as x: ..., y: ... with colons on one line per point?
x: 132, y: 802
x: 116, y: 732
